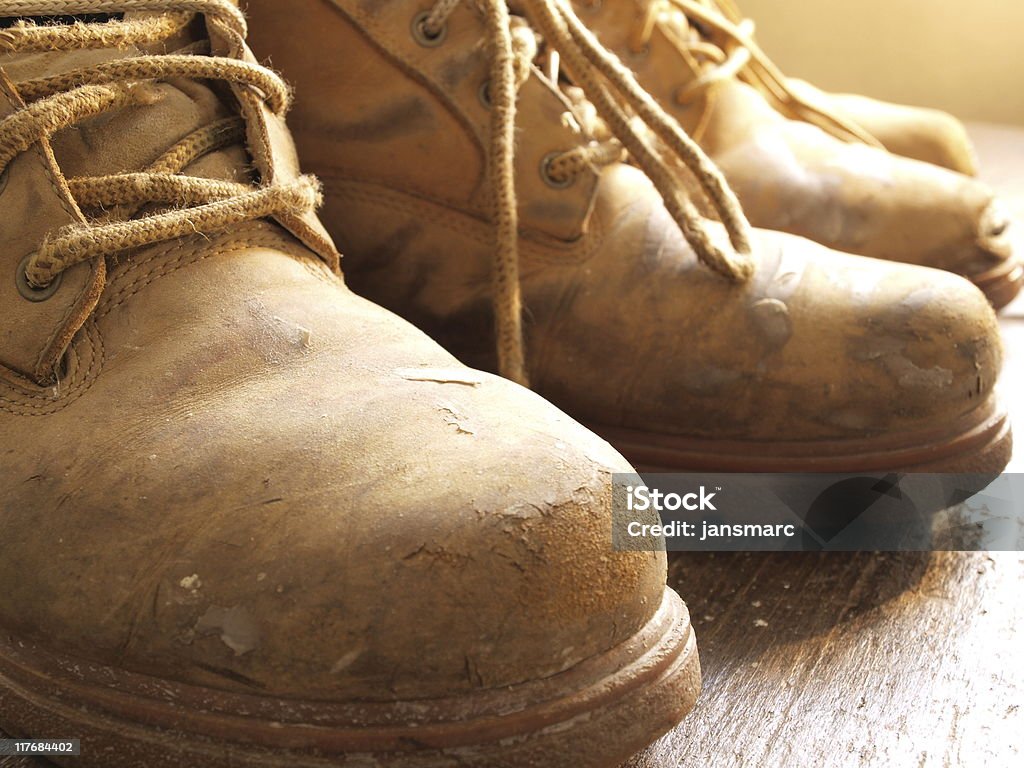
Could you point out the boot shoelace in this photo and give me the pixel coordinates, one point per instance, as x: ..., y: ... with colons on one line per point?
x: 612, y: 90
x: 185, y: 204
x: 718, y: 43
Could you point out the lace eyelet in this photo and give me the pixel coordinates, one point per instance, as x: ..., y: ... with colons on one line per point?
x: 3, y: 179
x: 27, y: 290
x: 484, y: 94
x: 422, y: 36
x: 545, y: 173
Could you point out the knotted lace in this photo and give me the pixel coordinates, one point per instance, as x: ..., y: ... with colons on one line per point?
x: 718, y: 43
x: 177, y: 204
x: 655, y: 144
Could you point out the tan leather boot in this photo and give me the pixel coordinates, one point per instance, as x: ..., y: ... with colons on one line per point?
x: 247, y: 517
x: 929, y: 135
x: 686, y: 352
x: 794, y: 175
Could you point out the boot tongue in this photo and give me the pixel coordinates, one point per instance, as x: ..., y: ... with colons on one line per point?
x: 134, y: 137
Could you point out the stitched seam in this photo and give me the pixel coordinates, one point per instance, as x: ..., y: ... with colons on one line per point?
x: 160, y: 250
x: 139, y: 268
x: 317, y: 269
x: 233, y: 245
x: 18, y: 405
x: 532, y: 249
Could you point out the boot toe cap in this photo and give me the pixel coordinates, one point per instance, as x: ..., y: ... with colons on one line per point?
x: 353, y: 527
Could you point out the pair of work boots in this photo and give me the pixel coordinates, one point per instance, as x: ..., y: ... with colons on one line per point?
x: 251, y: 519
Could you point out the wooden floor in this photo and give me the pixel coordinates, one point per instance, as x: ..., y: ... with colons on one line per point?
x: 860, y: 659
x: 864, y: 659
x: 852, y: 660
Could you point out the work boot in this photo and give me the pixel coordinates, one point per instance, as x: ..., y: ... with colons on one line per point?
x: 691, y: 344
x: 247, y: 517
x: 831, y: 185
x: 929, y: 135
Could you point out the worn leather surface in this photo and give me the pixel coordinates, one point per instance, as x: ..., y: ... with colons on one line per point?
x: 433, y: 122
x: 624, y: 327
x: 792, y: 176
x: 247, y: 477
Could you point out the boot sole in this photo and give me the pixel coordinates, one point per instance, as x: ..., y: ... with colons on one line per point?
x: 1002, y: 284
x: 597, y: 714
x: 979, y: 442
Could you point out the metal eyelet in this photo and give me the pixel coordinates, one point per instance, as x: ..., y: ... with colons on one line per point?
x: 484, y: 94
x: 420, y: 34
x: 27, y: 290
x: 545, y: 172
x: 594, y: 6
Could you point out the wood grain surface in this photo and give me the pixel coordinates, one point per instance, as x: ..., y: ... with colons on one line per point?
x: 842, y: 659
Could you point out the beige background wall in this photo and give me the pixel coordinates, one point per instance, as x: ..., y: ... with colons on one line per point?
x: 966, y: 56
